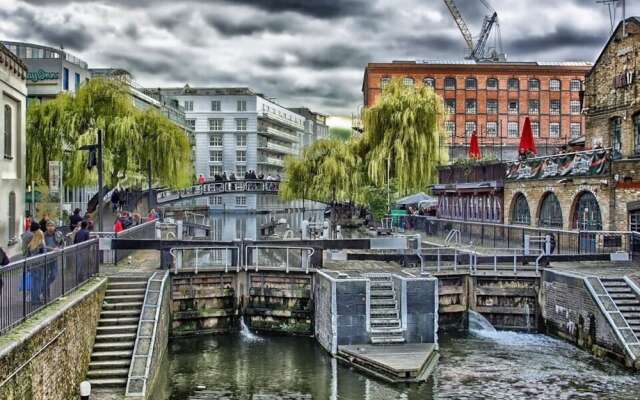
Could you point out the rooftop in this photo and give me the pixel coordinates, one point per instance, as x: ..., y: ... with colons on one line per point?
x: 36, y: 51
x: 6, y: 56
x: 204, y: 91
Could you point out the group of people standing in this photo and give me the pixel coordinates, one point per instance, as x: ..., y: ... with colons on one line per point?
x: 119, y: 199
x: 251, y: 174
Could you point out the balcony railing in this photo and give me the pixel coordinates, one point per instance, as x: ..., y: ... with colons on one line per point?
x: 280, y: 119
x: 262, y: 159
x: 269, y: 130
x: 265, y: 144
x: 219, y: 187
x: 582, y: 163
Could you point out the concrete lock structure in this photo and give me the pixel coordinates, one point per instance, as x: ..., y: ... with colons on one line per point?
x: 13, y: 107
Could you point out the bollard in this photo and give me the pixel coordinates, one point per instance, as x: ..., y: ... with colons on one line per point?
x: 85, y: 390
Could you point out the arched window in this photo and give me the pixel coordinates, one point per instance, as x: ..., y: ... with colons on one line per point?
x: 513, y: 84
x: 449, y: 83
x: 616, y: 136
x: 492, y: 84
x: 550, y: 212
x: 8, y: 131
x: 534, y: 84
x: 586, y: 215
x: 520, y: 213
x: 470, y: 83
x: 12, y: 217
x: 408, y: 81
x: 384, y: 82
x: 429, y: 82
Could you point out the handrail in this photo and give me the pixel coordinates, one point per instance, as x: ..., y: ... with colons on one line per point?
x: 311, y: 251
x: 173, y: 252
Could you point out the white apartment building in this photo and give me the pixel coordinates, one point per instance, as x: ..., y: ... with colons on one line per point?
x: 238, y: 130
x: 13, y: 106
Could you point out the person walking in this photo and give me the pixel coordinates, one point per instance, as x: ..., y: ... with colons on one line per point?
x: 115, y: 199
x: 118, y: 226
x: 44, y: 220
x: 27, y: 236
x: 75, y: 219
x: 201, y: 179
x: 54, y: 241
x: 36, y: 247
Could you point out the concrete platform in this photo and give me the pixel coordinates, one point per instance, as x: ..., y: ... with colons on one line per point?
x: 408, y: 362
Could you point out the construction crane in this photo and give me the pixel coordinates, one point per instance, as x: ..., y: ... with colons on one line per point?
x: 478, y: 49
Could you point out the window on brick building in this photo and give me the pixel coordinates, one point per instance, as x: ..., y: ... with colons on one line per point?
x: 512, y: 129
x: 470, y: 83
x: 450, y: 128
x: 492, y: 84
x: 575, y: 107
x: 451, y: 106
x: 586, y: 216
x: 534, y: 85
x: 550, y: 212
x: 554, y: 107
x: 513, y: 84
x: 449, y: 83
x: 492, y: 129
x: 616, y: 136
x: 215, y: 140
x: 554, y: 85
x: 576, y: 129
x: 535, y: 128
x: 554, y: 129
x: 575, y: 85
x: 408, y: 81
x: 513, y: 107
x: 492, y: 106
x: 534, y: 107
x: 429, y: 82
x: 384, y: 82
x: 470, y: 107
x: 520, y: 214
x: 469, y: 127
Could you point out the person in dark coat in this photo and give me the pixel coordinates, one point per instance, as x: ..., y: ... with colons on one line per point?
x: 75, y: 219
x: 83, y: 234
x: 115, y: 199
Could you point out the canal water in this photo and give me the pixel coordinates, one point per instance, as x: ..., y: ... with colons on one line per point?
x: 480, y: 365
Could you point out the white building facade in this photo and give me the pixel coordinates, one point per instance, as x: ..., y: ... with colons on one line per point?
x: 237, y: 130
x: 13, y: 106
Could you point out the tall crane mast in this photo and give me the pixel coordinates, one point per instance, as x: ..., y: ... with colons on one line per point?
x: 478, y: 50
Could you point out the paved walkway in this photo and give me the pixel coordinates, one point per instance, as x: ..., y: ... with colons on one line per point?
x: 140, y: 261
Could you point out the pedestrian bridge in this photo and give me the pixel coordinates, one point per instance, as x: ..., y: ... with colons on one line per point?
x: 218, y: 187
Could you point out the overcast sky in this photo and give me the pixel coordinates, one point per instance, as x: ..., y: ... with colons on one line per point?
x: 302, y: 52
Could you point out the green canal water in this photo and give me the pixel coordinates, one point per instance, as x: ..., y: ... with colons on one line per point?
x: 484, y: 365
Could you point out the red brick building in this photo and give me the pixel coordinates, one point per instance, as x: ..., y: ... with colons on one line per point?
x: 494, y: 99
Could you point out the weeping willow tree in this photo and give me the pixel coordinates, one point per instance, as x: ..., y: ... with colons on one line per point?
x: 324, y: 173
x: 56, y: 130
x: 403, y: 137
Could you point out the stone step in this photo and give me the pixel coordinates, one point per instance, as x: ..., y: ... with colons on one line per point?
x: 632, y: 322
x: 124, y: 298
x: 627, y: 302
x: 118, y: 321
x: 133, y: 305
x: 382, y: 295
x: 383, y: 302
x: 126, y: 291
x: 624, y: 309
x: 616, y: 296
x: 613, y: 282
x: 391, y: 322
x: 386, y: 331
x: 619, y: 289
x: 384, y: 313
x: 115, y: 337
x: 110, y: 363
x: 105, y: 330
x: 378, y: 278
x: 108, y: 373
x: 381, y: 284
x: 386, y: 339
x: 129, y: 278
x: 108, y: 382
x: 631, y: 315
x: 112, y: 354
x: 127, y: 285
x: 120, y: 313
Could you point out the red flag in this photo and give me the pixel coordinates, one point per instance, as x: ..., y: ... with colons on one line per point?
x: 474, y: 148
x: 526, y: 139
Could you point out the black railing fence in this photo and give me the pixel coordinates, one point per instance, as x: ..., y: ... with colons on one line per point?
x: 30, y: 284
x: 489, y: 235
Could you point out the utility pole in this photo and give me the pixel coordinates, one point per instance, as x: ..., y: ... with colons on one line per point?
x: 149, y: 177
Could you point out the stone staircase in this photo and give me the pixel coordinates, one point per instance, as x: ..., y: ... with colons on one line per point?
x: 626, y: 301
x: 385, y: 323
x: 116, y: 332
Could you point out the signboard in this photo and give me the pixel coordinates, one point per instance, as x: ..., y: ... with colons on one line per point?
x: 55, y: 170
x: 625, y: 79
x: 42, y: 75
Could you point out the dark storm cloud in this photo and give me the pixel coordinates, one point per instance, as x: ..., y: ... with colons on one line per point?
x: 562, y: 37
x: 334, y: 56
x: 230, y: 27
x: 323, y: 9
x: 69, y: 35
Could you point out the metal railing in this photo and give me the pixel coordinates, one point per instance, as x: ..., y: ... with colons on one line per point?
x: 281, y: 257
x: 206, y: 258
x: 469, y: 260
x: 28, y: 285
x: 146, y: 230
x: 219, y: 187
x: 490, y: 235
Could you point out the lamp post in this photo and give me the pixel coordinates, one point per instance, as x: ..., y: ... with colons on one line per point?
x: 97, y: 149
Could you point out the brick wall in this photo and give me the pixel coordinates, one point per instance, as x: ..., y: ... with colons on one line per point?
x: 59, y: 364
x: 569, y: 311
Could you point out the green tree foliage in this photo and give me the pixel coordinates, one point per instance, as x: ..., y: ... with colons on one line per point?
x: 404, y: 132
x: 57, y: 129
x: 343, y: 134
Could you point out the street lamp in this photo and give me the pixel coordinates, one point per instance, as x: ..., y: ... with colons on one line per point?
x: 95, y: 159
